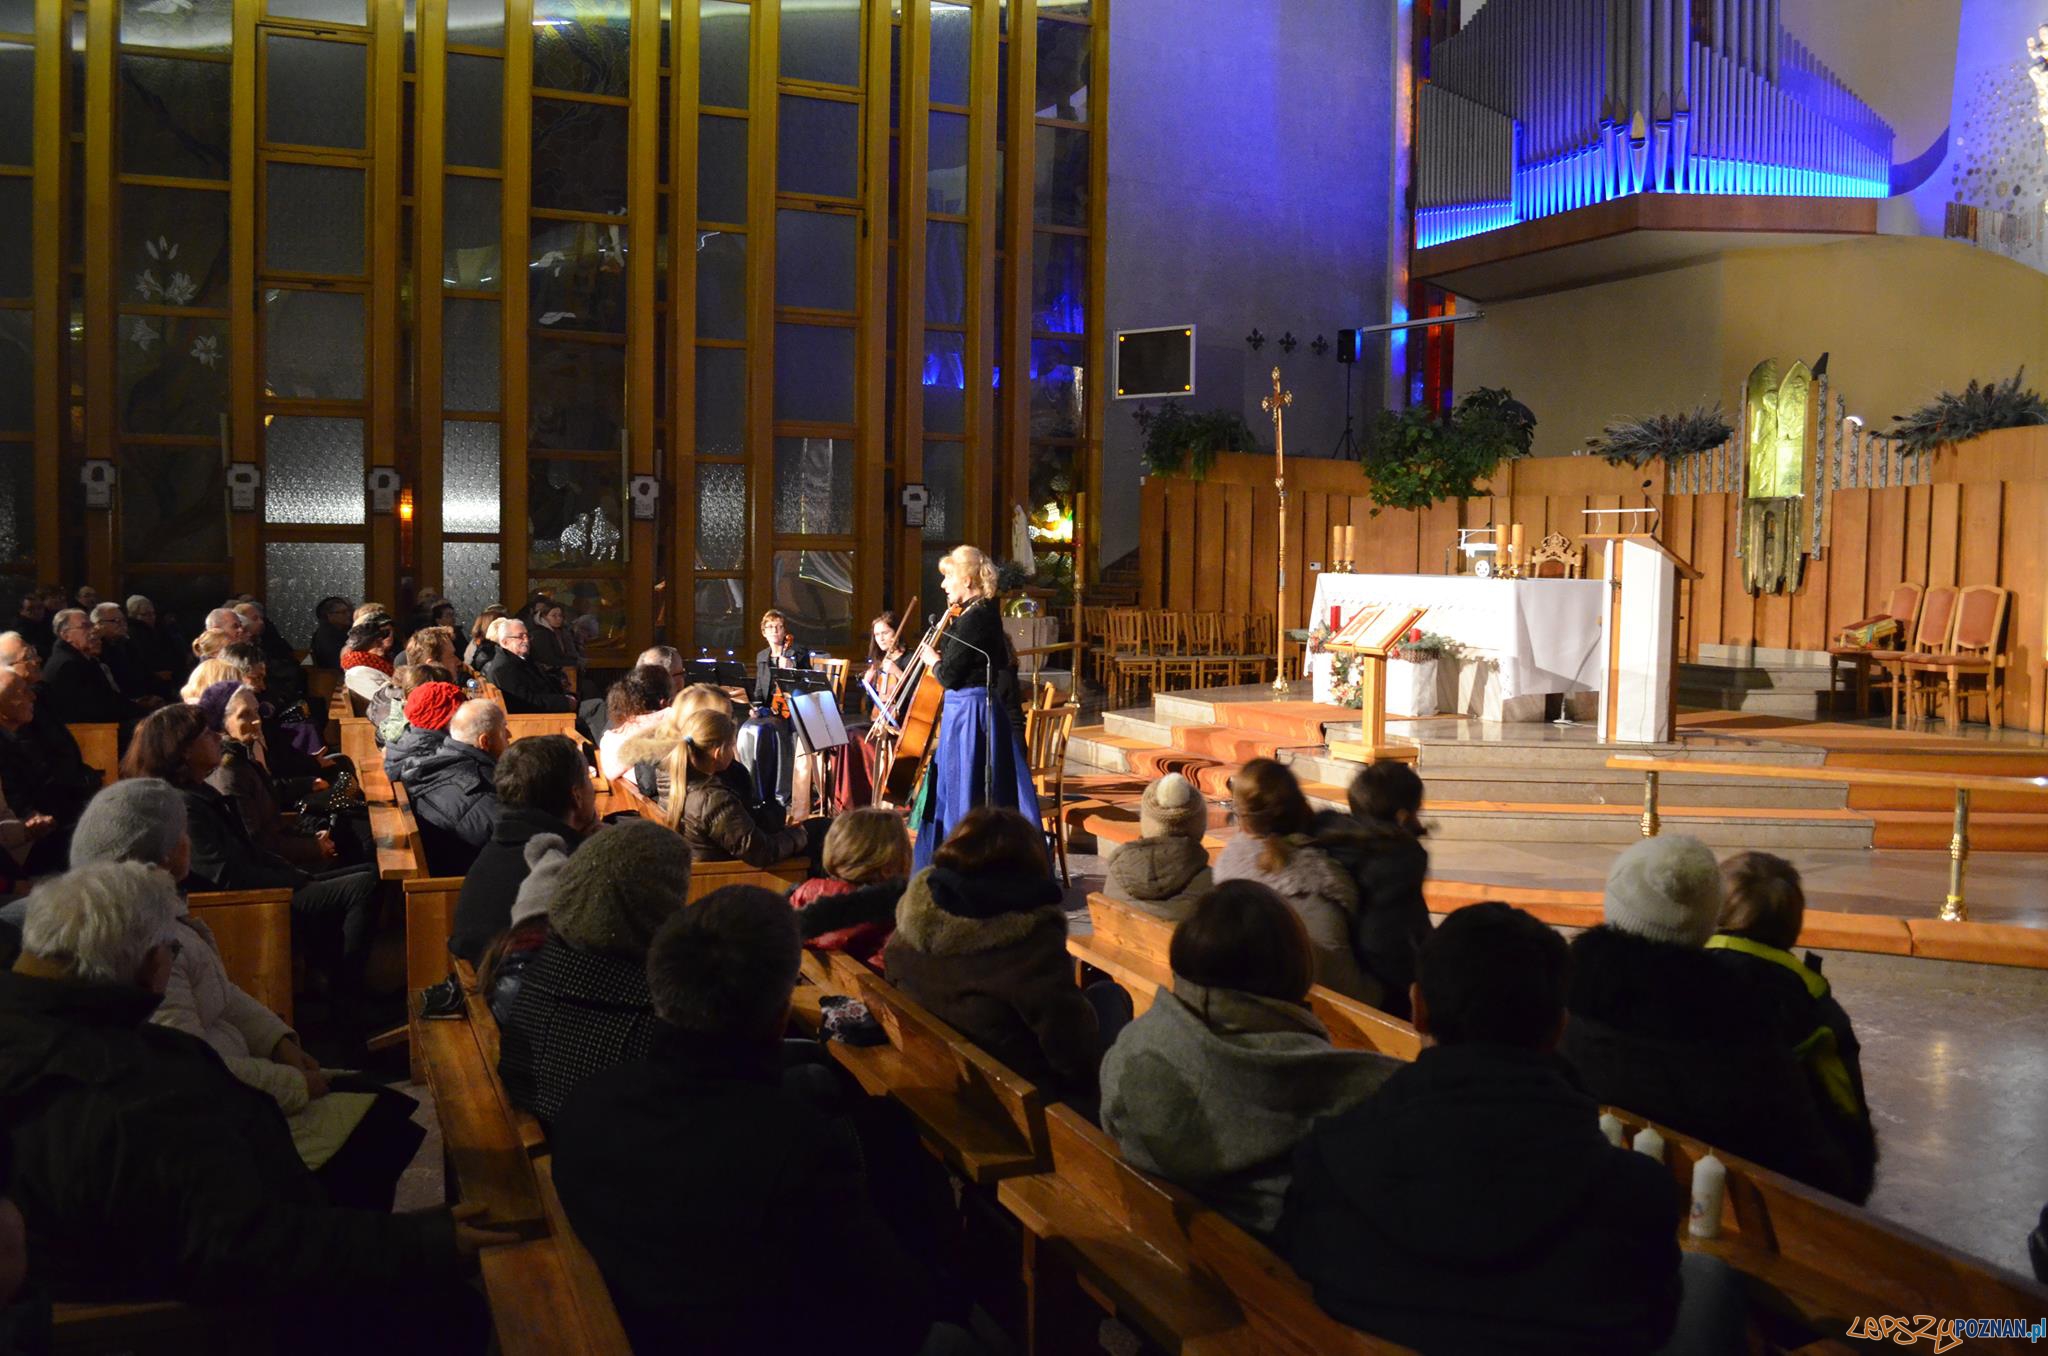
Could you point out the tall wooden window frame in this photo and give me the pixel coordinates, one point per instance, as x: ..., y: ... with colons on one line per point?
x: 41, y: 440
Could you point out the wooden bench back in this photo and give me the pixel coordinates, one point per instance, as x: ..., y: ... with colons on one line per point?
x: 359, y: 745
x: 542, y: 723
x: 429, y: 922
x: 99, y: 745
x: 1357, y: 1026
x: 708, y: 876
x: 547, y: 1296
x: 253, y: 929
x: 399, y: 854
x: 490, y: 1164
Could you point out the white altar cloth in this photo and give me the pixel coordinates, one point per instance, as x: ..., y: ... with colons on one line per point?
x: 1540, y: 635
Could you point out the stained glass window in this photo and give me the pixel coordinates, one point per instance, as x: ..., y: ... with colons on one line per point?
x: 815, y: 260
x: 174, y: 116
x: 945, y: 481
x: 721, y: 285
x: 313, y: 470
x: 469, y: 576
x: 173, y: 374
x: 313, y: 344
x: 469, y: 355
x: 952, y: 51
x: 1063, y: 58
x: 476, y: 92
x: 182, y: 26
x: 470, y: 233
x: 813, y: 374
x: 574, y: 507
x: 174, y: 246
x: 579, y: 156
x: 1059, y: 283
x: 945, y: 273
x: 721, y: 402
x: 818, y: 151
x: 313, y: 219
x: 576, y: 276
x: 576, y: 397
x: 583, y: 46
x: 946, y: 182
x: 722, y: 70
x: 721, y: 168
x: 821, y: 41
x: 944, y: 381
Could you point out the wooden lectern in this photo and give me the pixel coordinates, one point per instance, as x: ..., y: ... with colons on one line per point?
x: 1639, y: 686
x: 1369, y: 636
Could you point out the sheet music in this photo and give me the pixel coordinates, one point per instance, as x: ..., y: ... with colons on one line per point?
x: 817, y: 720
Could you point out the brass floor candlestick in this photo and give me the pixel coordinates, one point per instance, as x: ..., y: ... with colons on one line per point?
x: 1276, y: 405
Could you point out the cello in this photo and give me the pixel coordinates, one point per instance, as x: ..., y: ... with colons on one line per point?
x: 916, y: 717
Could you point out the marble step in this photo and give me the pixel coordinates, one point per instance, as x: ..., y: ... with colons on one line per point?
x: 1614, y: 786
x: 1574, y: 753
x: 1720, y: 828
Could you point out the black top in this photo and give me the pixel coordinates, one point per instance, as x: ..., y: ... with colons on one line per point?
x: 327, y: 643
x: 526, y: 689
x: 489, y: 887
x: 973, y: 646
x: 81, y: 691
x: 765, y: 664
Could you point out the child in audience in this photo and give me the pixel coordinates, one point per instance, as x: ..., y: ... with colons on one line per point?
x: 726, y: 1212
x: 1663, y: 1027
x: 981, y: 941
x: 1472, y: 1203
x: 852, y: 907
x: 583, y: 1004
x: 1275, y: 847
x: 1225, y: 1073
x: 1379, y: 844
x: 717, y: 824
x: 1762, y: 910
x: 1167, y: 869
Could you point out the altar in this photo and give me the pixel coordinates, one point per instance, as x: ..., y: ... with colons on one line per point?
x: 1523, y: 638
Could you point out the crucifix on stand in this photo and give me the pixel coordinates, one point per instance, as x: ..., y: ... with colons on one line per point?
x: 1276, y: 405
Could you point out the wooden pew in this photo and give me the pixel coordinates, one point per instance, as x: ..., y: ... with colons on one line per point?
x: 526, y: 1127
x: 1188, y: 1278
x: 487, y: 1163
x: 429, y: 921
x: 542, y: 723
x: 160, y: 1328
x: 359, y: 746
x: 547, y: 1297
x: 708, y: 876
x: 399, y: 855
x: 99, y: 745
x: 253, y: 929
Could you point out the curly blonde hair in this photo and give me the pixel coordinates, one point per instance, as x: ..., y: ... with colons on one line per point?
x: 972, y: 564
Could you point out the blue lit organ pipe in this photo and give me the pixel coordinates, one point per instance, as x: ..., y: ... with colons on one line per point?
x: 1604, y: 98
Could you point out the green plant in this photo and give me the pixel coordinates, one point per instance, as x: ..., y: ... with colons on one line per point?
x: 1952, y: 418
x: 1180, y: 441
x: 1420, y: 645
x: 1011, y: 575
x: 1662, y: 437
x: 1416, y: 459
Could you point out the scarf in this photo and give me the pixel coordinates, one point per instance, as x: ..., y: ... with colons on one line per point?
x: 354, y: 658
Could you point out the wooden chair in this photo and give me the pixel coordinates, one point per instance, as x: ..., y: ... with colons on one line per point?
x: 1848, y: 656
x: 1130, y: 660
x: 1173, y: 655
x: 1094, y: 638
x: 99, y: 745
x: 1255, y: 661
x: 253, y: 929
x: 1975, y: 650
x: 1205, y: 643
x: 837, y: 670
x: 1556, y: 558
x: 1937, y: 619
x: 1046, y: 731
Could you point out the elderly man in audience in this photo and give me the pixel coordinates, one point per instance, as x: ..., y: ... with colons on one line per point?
x: 451, y: 789
x: 120, y: 657
x: 543, y: 787
x: 163, y: 658
x: 42, y: 781
x: 146, y: 1171
x: 81, y: 689
x: 526, y: 687
x: 49, y: 734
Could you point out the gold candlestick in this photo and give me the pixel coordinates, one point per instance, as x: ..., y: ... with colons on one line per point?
x: 1276, y: 405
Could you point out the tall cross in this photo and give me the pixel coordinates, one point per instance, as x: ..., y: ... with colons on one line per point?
x: 1276, y: 405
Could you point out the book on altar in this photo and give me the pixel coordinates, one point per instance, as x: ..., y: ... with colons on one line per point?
x: 817, y: 720
x: 1375, y: 628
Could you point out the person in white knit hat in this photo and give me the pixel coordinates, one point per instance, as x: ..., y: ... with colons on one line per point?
x: 1167, y: 869
x: 1659, y: 1026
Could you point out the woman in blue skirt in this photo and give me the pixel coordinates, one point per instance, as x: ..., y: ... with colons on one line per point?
x: 979, y: 758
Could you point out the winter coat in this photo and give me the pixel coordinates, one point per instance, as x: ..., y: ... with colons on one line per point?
x: 1388, y: 865
x: 1004, y: 982
x: 700, y: 1187
x: 1472, y: 1205
x: 1670, y: 1033
x: 247, y: 786
x: 326, y: 646
x: 520, y: 947
x: 719, y: 827
x: 1213, y: 1088
x: 43, y: 771
x: 412, y: 744
x: 837, y: 915
x: 367, y: 682
x: 525, y: 688
x: 203, y: 1001
x: 1319, y: 891
x: 577, y: 1013
x: 456, y: 804
x: 224, y: 855
x: 145, y: 1171
x: 82, y: 691
x: 1164, y: 876
x: 1816, y: 1029
x: 484, y: 908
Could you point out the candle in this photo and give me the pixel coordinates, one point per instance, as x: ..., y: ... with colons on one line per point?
x: 1515, y: 540
x: 1336, y: 546
x: 1648, y: 1142
x: 1500, y: 544
x: 1709, y: 1190
x: 1351, y: 543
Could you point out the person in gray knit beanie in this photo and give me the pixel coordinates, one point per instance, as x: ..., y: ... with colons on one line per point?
x: 619, y: 886
x: 138, y: 819
x: 1665, y: 889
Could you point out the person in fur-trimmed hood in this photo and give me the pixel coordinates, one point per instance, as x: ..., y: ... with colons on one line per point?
x: 981, y: 941
x: 1167, y: 870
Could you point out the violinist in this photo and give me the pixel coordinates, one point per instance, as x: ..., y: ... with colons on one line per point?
x: 780, y: 652
x: 979, y: 757
x: 887, y: 659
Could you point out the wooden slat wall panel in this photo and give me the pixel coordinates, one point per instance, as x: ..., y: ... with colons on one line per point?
x: 1738, y: 609
x: 1438, y: 534
x: 1945, y: 520
x: 2024, y: 557
x: 1919, y: 504
x: 1710, y: 541
x: 1315, y: 542
x: 1886, y: 554
x: 1151, y: 523
x: 1265, y: 546
x: 1678, y: 535
x: 1209, y: 534
x: 1295, y: 599
x: 1237, y: 548
x: 1977, y: 555
x: 1397, y: 534
x: 1846, y: 585
x: 1182, y: 545
x: 1810, y: 609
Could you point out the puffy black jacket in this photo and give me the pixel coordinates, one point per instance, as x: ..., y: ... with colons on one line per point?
x: 146, y: 1171
x: 1472, y: 1205
x: 455, y: 803
x: 489, y: 887
x: 1388, y: 864
x: 401, y: 753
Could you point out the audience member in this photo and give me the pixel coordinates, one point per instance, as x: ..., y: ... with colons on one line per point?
x: 981, y: 941
x: 1214, y: 1085
x: 694, y: 1177
x: 163, y: 656
x: 433, y: 645
x: 1273, y: 846
x: 717, y: 825
x: 525, y: 687
x: 1379, y: 845
x: 635, y: 704
x: 287, y: 684
x: 32, y: 622
x: 428, y: 709
x: 452, y: 789
x: 669, y: 659
x: 386, y: 711
x: 544, y: 630
x: 19, y: 835
x: 330, y: 632
x: 80, y: 689
x: 1660, y: 1026
x: 24, y: 1309
x: 1166, y: 870
x: 482, y: 649
x: 512, y: 952
x: 852, y: 907
x: 366, y: 662
x: 543, y: 786
x: 228, y: 622
x: 332, y: 913
x: 1762, y: 910
x: 780, y: 652
x: 583, y: 1004
x: 205, y: 674
x: 1473, y: 1204
x: 243, y: 777
x: 44, y: 779
x: 118, y: 656
x: 146, y: 1171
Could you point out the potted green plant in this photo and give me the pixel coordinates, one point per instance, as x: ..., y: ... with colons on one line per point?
x: 1179, y: 441
x: 1950, y: 418
x: 1416, y: 459
x: 1662, y: 437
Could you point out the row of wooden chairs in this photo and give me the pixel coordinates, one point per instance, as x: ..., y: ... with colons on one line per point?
x: 1957, y: 640
x: 1171, y: 651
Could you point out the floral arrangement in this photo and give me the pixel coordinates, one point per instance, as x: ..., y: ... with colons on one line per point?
x: 1420, y: 646
x: 1346, y: 687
